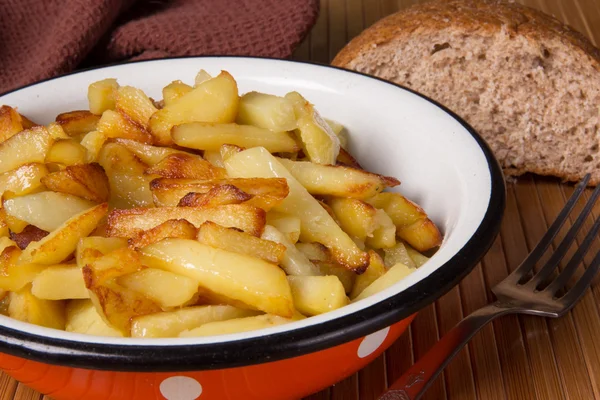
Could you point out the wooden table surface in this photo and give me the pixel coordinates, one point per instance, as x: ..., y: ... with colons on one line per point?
x: 517, y: 358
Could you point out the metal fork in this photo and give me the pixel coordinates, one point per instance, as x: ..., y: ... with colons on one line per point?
x: 519, y: 293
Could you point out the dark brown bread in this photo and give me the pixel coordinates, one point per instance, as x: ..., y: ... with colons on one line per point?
x: 529, y: 84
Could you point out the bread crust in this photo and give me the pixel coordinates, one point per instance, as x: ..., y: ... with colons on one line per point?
x: 482, y: 17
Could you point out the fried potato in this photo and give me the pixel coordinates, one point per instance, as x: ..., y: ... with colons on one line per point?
x: 92, y: 247
x: 82, y: 317
x: 66, y: 152
x: 4, y: 231
x: 293, y: 262
x: 236, y: 325
x: 106, y: 267
x: 216, y: 196
x: 201, y: 77
x: 250, y: 280
x: 346, y: 159
x: 315, y: 251
x: 209, y: 136
x: 27, y: 123
x: 314, y: 295
x: 25, y: 147
x: 174, y: 228
x: 129, y: 186
x: 335, y: 126
x: 60, y: 282
x: 266, y: 111
x: 15, y: 225
x: 230, y: 239
x: 215, y: 158
x: 128, y: 223
x: 76, y: 123
x: 10, y: 122
x: 345, y: 276
x: 174, y: 91
x: 102, y: 95
x: 337, y: 180
x: 317, y: 224
x: 34, y: 208
x: 163, y: 287
x: 60, y: 243
x: 150, y: 155
x: 56, y: 131
x: 88, y: 181
x: 375, y: 270
x: 320, y: 144
x: 215, y: 100
x: 14, y: 277
x: 172, y: 323
x: 289, y: 225
x: 418, y: 258
x: 135, y: 105
x: 115, y: 124
x: 392, y: 276
x: 384, y: 235
x: 266, y: 192
x: 24, y: 306
x: 423, y: 235
x: 24, y: 179
x: 227, y: 150
x: 186, y: 166
x: 398, y: 254
x: 356, y: 217
x: 29, y: 234
x: 93, y: 143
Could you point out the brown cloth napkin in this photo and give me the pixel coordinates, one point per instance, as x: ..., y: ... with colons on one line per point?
x: 44, y: 38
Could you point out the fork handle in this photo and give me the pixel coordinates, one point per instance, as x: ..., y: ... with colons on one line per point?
x: 421, y: 375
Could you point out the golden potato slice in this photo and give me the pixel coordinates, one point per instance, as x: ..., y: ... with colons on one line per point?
x: 92, y: 247
x: 27, y: 123
x: 393, y: 275
x: 29, y: 234
x: 250, y: 280
x: 135, y: 105
x: 34, y: 208
x: 398, y: 254
x: 66, y: 152
x: 317, y: 224
x: 82, y: 317
x: 337, y: 180
x: 402, y: 211
x: 93, y: 143
x: 174, y: 228
x: 15, y: 277
x: 128, y: 223
x: 163, y: 287
x: 10, y: 122
x: 293, y: 262
x: 56, y: 131
x: 335, y: 126
x: 129, y: 186
x: 15, y: 225
x: 24, y: 306
x: 88, y: 181
x: 266, y: 111
x: 60, y: 243
x: 320, y: 144
x: 24, y: 179
x: 315, y: 252
x: 150, y: 155
x: 356, y: 217
x: 240, y: 242
x: 423, y: 235
x: 174, y: 91
x: 75, y: 123
x: 345, y: 276
x: 216, y: 196
x: 215, y: 100
x: 172, y: 323
x: 105, y: 268
x: 384, y: 235
x: 209, y: 136
x: 25, y: 147
x: 418, y: 258
x: 346, y: 159
x: 201, y: 77
x: 236, y: 325
x: 215, y: 158
x: 114, y: 124
x: 227, y: 150
x: 60, y: 282
x: 315, y: 295
x: 287, y: 224
x: 266, y: 192
x: 375, y: 270
x: 102, y: 95
x: 186, y: 166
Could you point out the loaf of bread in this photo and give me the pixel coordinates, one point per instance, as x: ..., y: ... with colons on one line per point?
x: 527, y: 83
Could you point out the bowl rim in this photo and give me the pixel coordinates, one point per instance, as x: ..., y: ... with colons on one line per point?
x: 281, y: 345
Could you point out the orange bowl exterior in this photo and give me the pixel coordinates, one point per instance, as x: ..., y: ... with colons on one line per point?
x: 286, y: 379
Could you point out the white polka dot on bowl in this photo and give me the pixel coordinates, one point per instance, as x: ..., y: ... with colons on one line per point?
x: 371, y: 342
x: 180, y: 388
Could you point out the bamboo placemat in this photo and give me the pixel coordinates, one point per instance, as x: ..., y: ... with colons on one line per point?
x: 518, y: 358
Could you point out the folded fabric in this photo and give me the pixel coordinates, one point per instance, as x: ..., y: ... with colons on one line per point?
x: 44, y: 38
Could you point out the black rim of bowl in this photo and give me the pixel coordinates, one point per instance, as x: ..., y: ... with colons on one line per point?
x: 172, y: 358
